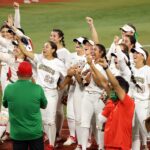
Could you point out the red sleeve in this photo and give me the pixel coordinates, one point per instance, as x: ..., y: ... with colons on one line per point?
x: 128, y: 101
x: 108, y: 108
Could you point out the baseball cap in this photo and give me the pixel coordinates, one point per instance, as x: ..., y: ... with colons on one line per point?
x: 79, y: 40
x: 139, y: 50
x: 25, y: 69
x: 127, y: 28
x: 89, y: 41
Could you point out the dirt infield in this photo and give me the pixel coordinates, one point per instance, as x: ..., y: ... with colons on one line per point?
x: 65, y: 133
x: 10, y: 2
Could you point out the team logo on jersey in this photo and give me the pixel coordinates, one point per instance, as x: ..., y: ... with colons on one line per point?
x: 47, y: 69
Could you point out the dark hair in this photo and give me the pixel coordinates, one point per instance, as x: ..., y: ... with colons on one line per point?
x: 147, y: 54
x: 132, y: 39
x: 61, y: 34
x: 123, y: 83
x: 20, y: 29
x: 132, y: 26
x: 125, y: 48
x: 132, y: 75
x: 101, y: 49
x: 4, y: 26
x: 54, y: 46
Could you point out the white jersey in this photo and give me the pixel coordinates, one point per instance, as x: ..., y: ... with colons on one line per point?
x: 12, y: 63
x: 64, y: 55
x: 49, y: 71
x: 7, y: 44
x: 93, y: 87
x: 75, y: 59
x: 142, y: 77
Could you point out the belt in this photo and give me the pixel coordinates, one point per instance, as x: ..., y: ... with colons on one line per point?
x: 93, y: 92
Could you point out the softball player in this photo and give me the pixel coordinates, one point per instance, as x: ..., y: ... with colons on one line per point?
x: 141, y: 96
x: 49, y: 71
x: 12, y: 61
x: 57, y: 36
x: 73, y: 105
x: 91, y: 103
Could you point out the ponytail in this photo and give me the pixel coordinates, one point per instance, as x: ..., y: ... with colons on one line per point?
x: 61, y: 35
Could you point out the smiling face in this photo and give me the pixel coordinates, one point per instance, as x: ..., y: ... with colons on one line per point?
x: 97, y: 52
x: 47, y: 50
x: 78, y: 47
x: 54, y: 36
x: 138, y: 57
x: 88, y: 48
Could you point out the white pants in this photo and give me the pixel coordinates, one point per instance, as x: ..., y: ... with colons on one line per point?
x: 91, y: 104
x: 141, y: 113
x: 70, y: 108
x: 49, y: 114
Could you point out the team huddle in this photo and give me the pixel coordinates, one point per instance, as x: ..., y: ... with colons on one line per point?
x: 107, y: 93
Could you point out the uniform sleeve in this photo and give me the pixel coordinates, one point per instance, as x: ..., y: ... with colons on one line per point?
x: 17, y: 18
x: 6, y: 44
x: 43, y: 103
x: 5, y: 57
x: 148, y: 75
x: 108, y: 109
x: 62, y: 69
x: 111, y: 50
x: 101, y: 70
x: 20, y: 34
x: 127, y: 101
x: 37, y: 58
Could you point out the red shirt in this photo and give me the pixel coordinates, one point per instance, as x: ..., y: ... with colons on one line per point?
x: 118, y: 128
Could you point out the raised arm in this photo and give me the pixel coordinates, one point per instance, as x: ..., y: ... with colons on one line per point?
x: 98, y: 76
x: 93, y: 30
x: 17, y: 15
x: 23, y: 49
x: 120, y: 92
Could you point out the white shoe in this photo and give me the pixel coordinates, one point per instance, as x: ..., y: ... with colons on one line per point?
x: 27, y: 2
x: 70, y: 140
x: 78, y: 147
x: 5, y: 137
x: 89, y: 144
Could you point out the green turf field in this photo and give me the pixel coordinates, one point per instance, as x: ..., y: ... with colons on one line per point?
x: 39, y: 19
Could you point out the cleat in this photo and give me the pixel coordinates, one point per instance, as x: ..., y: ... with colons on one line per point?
x: 70, y: 140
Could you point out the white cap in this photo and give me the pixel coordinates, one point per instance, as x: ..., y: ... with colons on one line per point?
x: 127, y: 28
x: 89, y: 41
x: 139, y: 50
x: 79, y: 40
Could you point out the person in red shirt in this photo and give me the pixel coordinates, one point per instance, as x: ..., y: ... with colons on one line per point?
x: 118, y: 112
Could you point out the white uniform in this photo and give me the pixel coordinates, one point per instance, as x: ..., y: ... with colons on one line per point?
x: 142, y: 100
x: 13, y: 63
x: 91, y: 104
x: 112, y: 49
x: 48, y: 74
